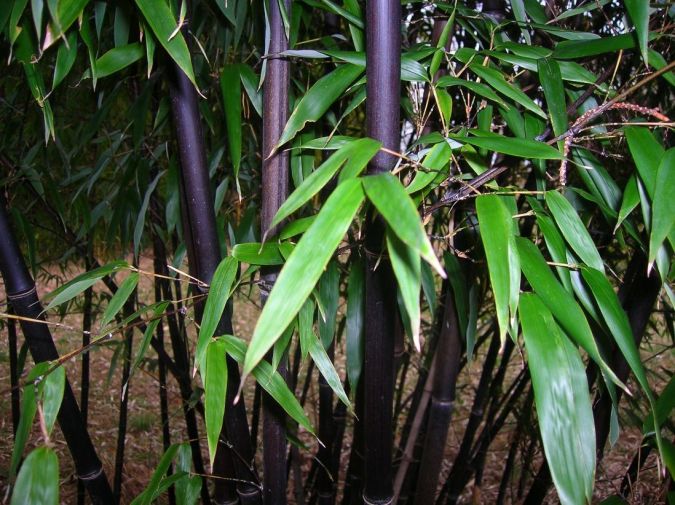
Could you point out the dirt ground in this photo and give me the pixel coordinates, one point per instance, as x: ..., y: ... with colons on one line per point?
x: 144, y: 444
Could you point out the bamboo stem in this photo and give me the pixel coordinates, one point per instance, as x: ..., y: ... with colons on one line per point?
x: 21, y: 292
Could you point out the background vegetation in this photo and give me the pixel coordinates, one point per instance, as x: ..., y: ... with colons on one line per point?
x: 463, y: 260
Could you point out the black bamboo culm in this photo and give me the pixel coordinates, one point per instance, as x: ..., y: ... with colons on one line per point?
x: 274, y: 191
x: 14, y: 372
x: 383, y: 55
x: 21, y: 293
x: 448, y: 353
x: 204, y: 256
x: 84, y: 375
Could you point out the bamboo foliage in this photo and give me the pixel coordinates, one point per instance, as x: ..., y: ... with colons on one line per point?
x: 317, y: 159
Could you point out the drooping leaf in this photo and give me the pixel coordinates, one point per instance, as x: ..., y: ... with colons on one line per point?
x: 119, y: 298
x: 38, y: 480
x: 140, y: 221
x: 65, y: 59
x: 647, y: 154
x: 405, y: 262
x: 215, y: 387
x: 147, y: 334
x: 563, y: 402
x: 435, y: 160
x: 316, y: 101
x: 561, y: 303
x: 630, y: 200
x: 495, y: 79
x: 230, y: 87
x: 638, y: 11
x: 551, y: 81
x: 355, y: 322
x: 392, y: 201
x: 219, y: 293
x: 497, y: 234
x: 663, y: 204
x: 270, y: 381
x: 353, y: 157
x: 476, y: 87
x: 329, y: 288
x: 63, y: 15
x: 163, y: 24
x: 573, y: 229
x: 147, y: 496
x: 80, y: 283
x: 303, y: 268
x: 573, y: 49
x: 52, y: 395
x: 326, y: 367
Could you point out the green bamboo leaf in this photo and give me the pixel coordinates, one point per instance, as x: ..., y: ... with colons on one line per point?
x: 355, y: 322
x: 118, y: 58
x: 524, y: 148
x: 219, y: 293
x: 119, y: 298
x: 63, y: 15
x: 477, y: 87
x: 303, y: 269
x: 551, y: 81
x: 316, y: 101
x: 573, y: 229
x: 638, y: 11
x: 28, y: 410
x: 215, y: 387
x: 497, y: 234
x: 65, y: 59
x: 305, y: 327
x: 518, y: 8
x: 189, y: 487
x: 663, y: 204
x: 405, y: 262
x: 563, y: 402
x: 495, y: 79
x: 392, y: 201
x: 647, y: 154
x: 561, y: 304
x: 657, y: 61
x: 442, y: 42
x: 296, y: 227
x: 140, y: 220
x: 230, y: 87
x: 146, y: 497
x: 255, y: 253
x: 354, y: 156
x: 573, y: 49
x: 329, y: 289
x: 250, y: 82
x: 80, y: 283
x: 326, y: 368
x: 435, y: 161
x: 52, y: 395
x: 160, y: 19
x: 270, y: 381
x: 147, y: 335
x: 38, y: 480
x: 619, y: 326
x: 630, y: 200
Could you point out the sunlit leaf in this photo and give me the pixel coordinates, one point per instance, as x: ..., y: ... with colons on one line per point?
x: 52, y: 395
x: 119, y: 298
x: 38, y: 480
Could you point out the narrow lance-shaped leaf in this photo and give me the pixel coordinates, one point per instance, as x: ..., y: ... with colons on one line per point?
x: 65, y: 59
x: 561, y: 304
x: 163, y: 24
x: 551, y: 81
x: 638, y: 10
x: 405, y: 262
x: 80, y: 283
x: 270, y: 381
x: 118, y: 58
x: 52, y: 395
x: 219, y: 293
x: 230, y: 86
x: 313, y: 345
x: 393, y: 202
x: 329, y: 288
x: 117, y: 301
x: 573, y: 229
x: 617, y: 322
x: 630, y: 200
x: 255, y: 253
x: 663, y: 204
x: 355, y: 323
x: 215, y: 387
x: 497, y: 234
x: 318, y: 99
x: 38, y: 480
x: 563, y: 402
x: 647, y: 154
x: 524, y: 148
x: 147, y: 335
x: 303, y: 269
x: 140, y: 221
x: 355, y: 155
x: 146, y: 497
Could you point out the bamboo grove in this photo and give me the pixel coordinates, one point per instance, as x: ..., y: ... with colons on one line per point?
x: 454, y: 221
